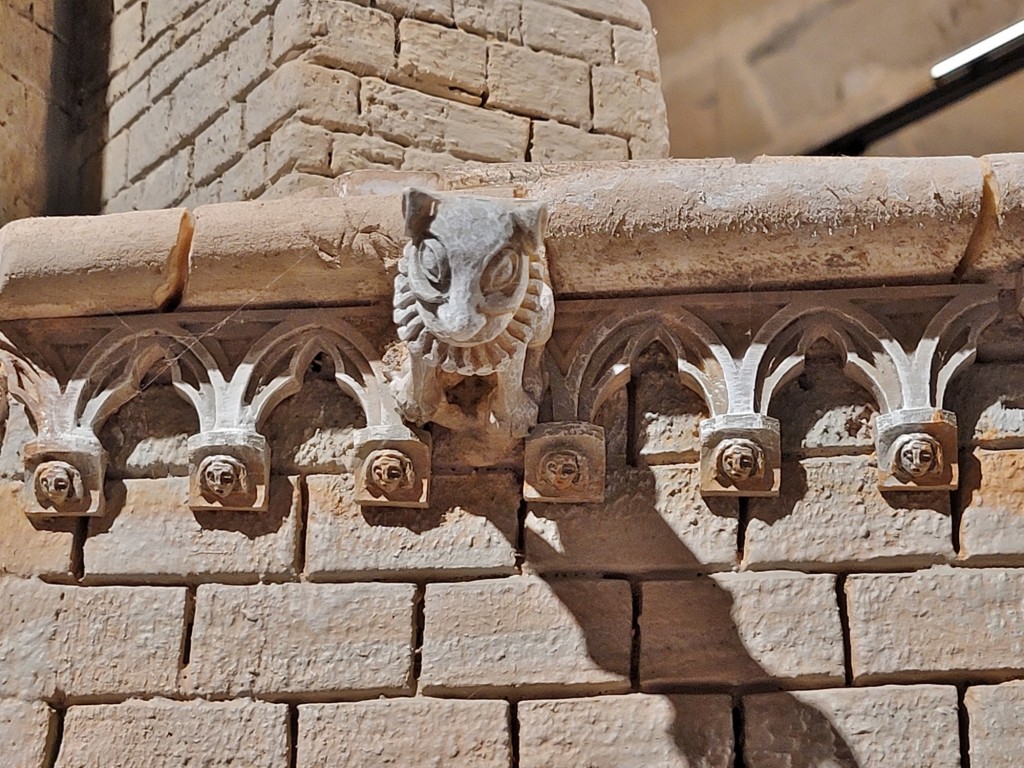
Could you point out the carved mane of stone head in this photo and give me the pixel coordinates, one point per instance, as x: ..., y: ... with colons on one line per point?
x: 470, y: 277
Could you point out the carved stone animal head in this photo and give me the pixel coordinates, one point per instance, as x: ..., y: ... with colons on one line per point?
x: 564, y: 470
x: 916, y: 456
x: 473, y: 273
x: 222, y: 476
x: 391, y: 471
x: 58, y: 484
x: 740, y: 460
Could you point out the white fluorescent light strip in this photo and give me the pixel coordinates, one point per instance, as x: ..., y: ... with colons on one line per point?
x: 977, y: 50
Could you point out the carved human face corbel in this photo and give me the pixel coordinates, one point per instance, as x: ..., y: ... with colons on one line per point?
x: 917, y: 450
x: 65, y: 478
x: 740, y: 455
x: 564, y: 463
x: 393, y: 468
x: 228, y: 471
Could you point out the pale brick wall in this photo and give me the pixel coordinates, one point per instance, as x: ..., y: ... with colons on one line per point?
x: 224, y: 101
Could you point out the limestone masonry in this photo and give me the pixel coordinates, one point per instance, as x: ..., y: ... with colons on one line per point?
x: 496, y: 471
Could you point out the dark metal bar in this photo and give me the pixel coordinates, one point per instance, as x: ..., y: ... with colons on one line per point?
x: 948, y: 91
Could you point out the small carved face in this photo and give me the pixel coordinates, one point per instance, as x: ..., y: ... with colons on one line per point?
x: 740, y: 460
x: 222, y: 476
x: 563, y: 469
x: 390, y: 471
x: 917, y: 456
x: 58, y: 483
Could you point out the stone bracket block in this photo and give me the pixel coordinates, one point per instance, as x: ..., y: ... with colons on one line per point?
x: 64, y: 478
x: 393, y: 468
x: 229, y: 470
x: 740, y: 455
x: 917, y: 450
x: 564, y: 463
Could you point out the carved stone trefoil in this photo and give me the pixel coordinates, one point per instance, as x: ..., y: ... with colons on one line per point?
x: 474, y: 309
x: 565, y: 463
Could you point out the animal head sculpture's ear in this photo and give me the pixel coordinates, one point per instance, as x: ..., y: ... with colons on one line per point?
x: 532, y: 222
x: 419, y: 208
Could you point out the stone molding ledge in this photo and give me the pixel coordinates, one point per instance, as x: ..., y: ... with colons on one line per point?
x: 615, y: 229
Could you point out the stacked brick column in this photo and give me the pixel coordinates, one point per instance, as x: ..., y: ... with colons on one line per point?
x: 227, y: 101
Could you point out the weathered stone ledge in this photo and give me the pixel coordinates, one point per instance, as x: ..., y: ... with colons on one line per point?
x: 616, y: 229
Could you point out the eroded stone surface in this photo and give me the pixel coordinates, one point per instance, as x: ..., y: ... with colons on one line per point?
x: 831, y: 514
x: 992, y: 521
x: 913, y: 726
x: 26, y: 733
x: 162, y: 734
x: 418, y: 733
x: 741, y: 628
x: 963, y: 621
x: 652, y: 519
x: 89, y: 641
x: 469, y: 529
x: 27, y: 547
x: 634, y: 731
x: 996, y: 716
x: 151, y: 533
x: 302, y: 638
x: 524, y: 632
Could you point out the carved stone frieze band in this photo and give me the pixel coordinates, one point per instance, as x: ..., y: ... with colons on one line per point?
x: 733, y: 353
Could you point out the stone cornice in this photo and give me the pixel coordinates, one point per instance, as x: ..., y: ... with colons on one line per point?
x: 615, y: 230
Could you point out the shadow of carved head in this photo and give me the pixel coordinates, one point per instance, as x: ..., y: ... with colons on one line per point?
x: 564, y: 469
x: 390, y: 471
x: 468, y: 269
x: 916, y: 456
x: 222, y: 476
x: 58, y: 484
x: 738, y: 460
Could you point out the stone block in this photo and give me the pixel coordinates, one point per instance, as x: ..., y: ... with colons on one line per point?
x: 1000, y: 258
x: 168, y: 183
x: 247, y: 178
x: 500, y: 19
x: 992, y: 496
x: 963, y: 622
x: 527, y: 634
x: 445, y: 62
x: 247, y: 59
x: 27, y: 733
x: 31, y: 547
x: 218, y: 146
x: 632, y: 13
x: 629, y: 105
x: 130, y: 262
x: 298, y: 252
x: 126, y: 108
x: 989, y: 403
x: 431, y: 162
x: 150, y: 533
x: 652, y: 520
x: 407, y: 117
x: 115, y: 165
x: 539, y: 84
x: 637, y: 51
x: 831, y: 515
x: 554, y: 142
x: 427, y: 10
x: 548, y: 27
x: 355, y: 153
x: 298, y: 146
x: 632, y: 731
x: 126, y: 35
x: 165, y: 733
x: 996, y: 717
x: 909, y: 726
x: 324, y: 97
x: 89, y: 641
x: 739, y: 628
x: 337, y: 35
x: 289, y: 639
x: 415, y: 733
x: 469, y: 530
x: 150, y: 138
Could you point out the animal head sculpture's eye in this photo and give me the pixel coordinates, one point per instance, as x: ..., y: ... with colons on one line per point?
x: 502, y: 272
x: 434, y: 263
